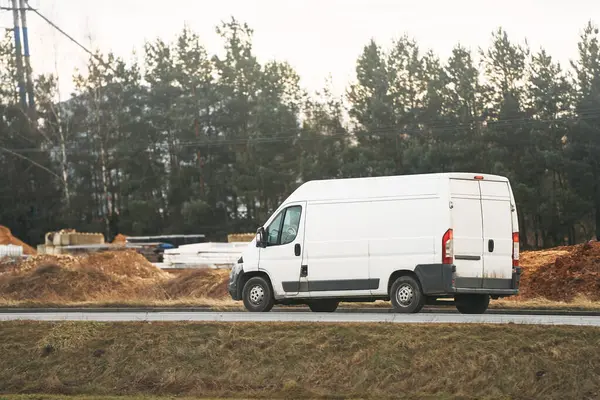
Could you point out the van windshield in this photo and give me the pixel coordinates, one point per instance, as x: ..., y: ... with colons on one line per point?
x: 273, y: 230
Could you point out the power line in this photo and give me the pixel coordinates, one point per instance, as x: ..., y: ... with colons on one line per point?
x: 71, y: 38
x: 30, y: 160
x: 392, y: 130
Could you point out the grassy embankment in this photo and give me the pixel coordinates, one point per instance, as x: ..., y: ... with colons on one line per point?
x: 299, y: 360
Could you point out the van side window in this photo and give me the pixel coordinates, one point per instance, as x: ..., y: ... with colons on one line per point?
x: 284, y: 228
x: 291, y: 223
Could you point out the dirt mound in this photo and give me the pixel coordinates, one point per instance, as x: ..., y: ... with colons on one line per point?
x: 108, y: 276
x: 7, y: 238
x: 200, y: 283
x: 119, y: 239
x: 113, y: 276
x: 34, y: 262
x: 531, y: 260
x: 55, y: 283
x: 125, y: 263
x: 575, y: 271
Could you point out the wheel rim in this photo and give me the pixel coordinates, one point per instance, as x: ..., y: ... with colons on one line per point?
x: 405, y: 295
x: 257, y: 294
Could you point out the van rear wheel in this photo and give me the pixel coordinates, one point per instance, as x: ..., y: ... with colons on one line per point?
x: 323, y: 305
x: 472, y: 303
x: 406, y: 295
x: 257, y: 295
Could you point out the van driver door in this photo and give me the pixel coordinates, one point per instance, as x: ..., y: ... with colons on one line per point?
x: 281, y: 259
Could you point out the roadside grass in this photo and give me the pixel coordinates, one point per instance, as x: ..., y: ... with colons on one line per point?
x: 282, y: 360
x: 580, y: 303
x: 92, y: 397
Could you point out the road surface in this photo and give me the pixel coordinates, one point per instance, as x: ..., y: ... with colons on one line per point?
x: 578, y: 320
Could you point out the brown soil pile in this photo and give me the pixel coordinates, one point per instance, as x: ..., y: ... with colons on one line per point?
x: 119, y: 239
x: 7, y: 238
x: 53, y: 283
x: 115, y: 276
x: 124, y: 263
x: 199, y: 283
x: 562, y: 274
x: 36, y: 261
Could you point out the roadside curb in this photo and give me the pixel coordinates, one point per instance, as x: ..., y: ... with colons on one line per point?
x: 427, y: 310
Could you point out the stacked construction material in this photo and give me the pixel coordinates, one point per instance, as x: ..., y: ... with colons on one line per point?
x: 69, y: 241
x: 203, y: 255
x: 11, y: 251
x: 240, y: 237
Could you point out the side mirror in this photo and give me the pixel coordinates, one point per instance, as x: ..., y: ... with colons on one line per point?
x: 260, y: 237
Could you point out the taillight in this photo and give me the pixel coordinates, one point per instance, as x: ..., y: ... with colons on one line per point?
x: 448, y: 247
x: 515, y: 249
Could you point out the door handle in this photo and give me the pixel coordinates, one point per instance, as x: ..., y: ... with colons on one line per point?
x: 491, y: 245
x: 297, y: 249
x: 303, y: 271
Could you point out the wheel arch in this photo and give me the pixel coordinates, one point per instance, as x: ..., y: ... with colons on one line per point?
x: 399, y: 273
x: 246, y: 276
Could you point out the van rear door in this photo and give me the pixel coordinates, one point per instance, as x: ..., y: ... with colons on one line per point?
x: 467, y: 226
x: 497, y: 234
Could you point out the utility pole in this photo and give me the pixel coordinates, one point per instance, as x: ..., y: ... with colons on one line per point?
x: 17, y: 33
x: 27, y: 58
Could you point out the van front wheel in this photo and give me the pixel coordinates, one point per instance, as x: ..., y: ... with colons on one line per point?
x: 257, y: 295
x: 472, y: 303
x: 406, y: 295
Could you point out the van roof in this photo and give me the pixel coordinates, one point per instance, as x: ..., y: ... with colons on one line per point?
x: 379, y: 187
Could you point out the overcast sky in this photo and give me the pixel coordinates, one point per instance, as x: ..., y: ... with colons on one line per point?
x: 318, y: 37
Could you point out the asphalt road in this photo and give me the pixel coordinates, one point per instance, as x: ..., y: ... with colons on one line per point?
x: 303, y: 317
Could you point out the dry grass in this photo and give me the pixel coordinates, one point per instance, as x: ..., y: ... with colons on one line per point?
x: 300, y: 360
x: 200, y: 283
x: 92, y: 397
x: 579, y: 302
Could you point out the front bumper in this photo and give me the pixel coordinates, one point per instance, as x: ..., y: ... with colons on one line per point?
x: 234, y: 284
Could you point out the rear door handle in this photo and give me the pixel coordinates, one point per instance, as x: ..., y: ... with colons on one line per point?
x: 491, y: 245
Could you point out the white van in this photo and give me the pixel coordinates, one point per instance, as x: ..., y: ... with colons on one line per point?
x: 409, y: 239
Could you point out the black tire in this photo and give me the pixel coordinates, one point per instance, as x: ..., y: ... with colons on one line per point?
x: 472, y: 303
x: 406, y: 295
x: 257, y: 295
x: 323, y: 305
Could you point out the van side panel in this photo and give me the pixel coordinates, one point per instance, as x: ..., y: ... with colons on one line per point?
x: 402, y: 234
x: 336, y: 250
x: 353, y: 247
